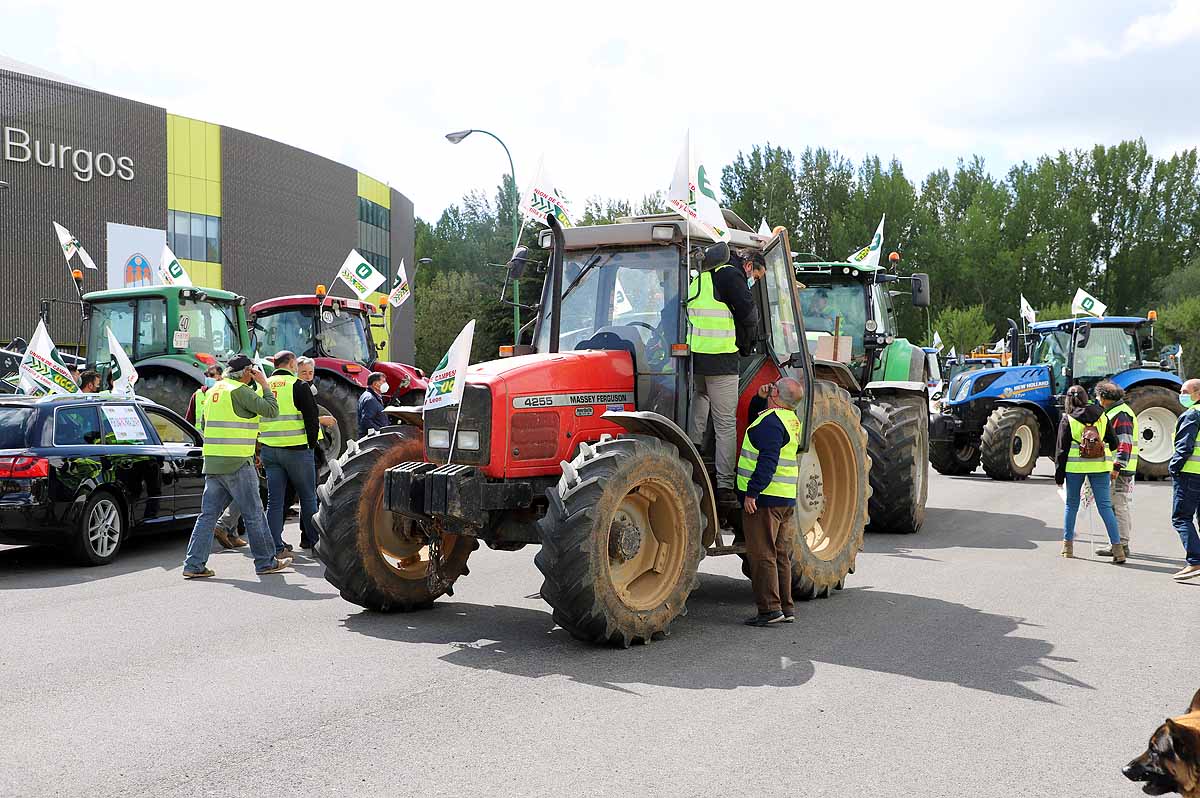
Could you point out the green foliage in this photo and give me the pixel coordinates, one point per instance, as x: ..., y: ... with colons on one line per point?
x: 1054, y: 311
x: 1179, y: 323
x: 964, y: 329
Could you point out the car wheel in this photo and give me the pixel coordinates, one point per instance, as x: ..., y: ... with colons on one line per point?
x: 101, y: 530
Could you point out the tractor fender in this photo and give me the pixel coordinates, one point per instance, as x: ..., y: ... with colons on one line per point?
x: 1136, y: 378
x: 901, y: 361
x: 896, y: 386
x: 837, y: 373
x: 172, y: 364
x: 1049, y: 427
x: 643, y: 422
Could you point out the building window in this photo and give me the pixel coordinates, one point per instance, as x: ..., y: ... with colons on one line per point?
x: 374, y: 240
x: 194, y: 236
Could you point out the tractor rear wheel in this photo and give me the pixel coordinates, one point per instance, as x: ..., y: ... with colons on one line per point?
x: 953, y: 459
x: 898, y: 442
x: 338, y: 399
x: 834, y: 490
x: 168, y: 388
x: 1157, y: 410
x: 377, y: 559
x: 621, y: 541
x: 1011, y: 443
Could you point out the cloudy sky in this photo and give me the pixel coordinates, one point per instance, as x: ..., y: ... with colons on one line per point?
x: 607, y: 94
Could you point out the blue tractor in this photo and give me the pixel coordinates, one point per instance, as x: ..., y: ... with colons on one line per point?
x: 1005, y: 418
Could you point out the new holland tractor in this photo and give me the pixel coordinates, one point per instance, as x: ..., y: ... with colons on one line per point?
x: 576, y: 443
x: 1005, y: 418
x: 849, y: 318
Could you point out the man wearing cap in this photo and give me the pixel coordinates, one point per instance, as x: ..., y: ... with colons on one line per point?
x: 232, y: 412
x: 289, y: 443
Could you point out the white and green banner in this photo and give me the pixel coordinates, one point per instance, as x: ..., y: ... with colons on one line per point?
x: 937, y: 341
x: 400, y: 288
x: 121, y: 373
x: 71, y: 246
x: 1027, y: 311
x: 543, y: 198
x: 1084, y: 304
x: 763, y: 229
x: 448, y: 380
x: 42, y: 369
x: 362, y: 277
x: 170, y: 270
x: 692, y: 195
x: 869, y: 255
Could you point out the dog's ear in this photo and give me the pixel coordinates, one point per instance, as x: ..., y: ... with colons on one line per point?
x: 1185, y: 741
x: 1195, y: 705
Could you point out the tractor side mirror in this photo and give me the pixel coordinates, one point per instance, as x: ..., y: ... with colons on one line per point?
x: 715, y: 255
x: 920, y: 290
x: 1083, y: 334
x: 518, y: 262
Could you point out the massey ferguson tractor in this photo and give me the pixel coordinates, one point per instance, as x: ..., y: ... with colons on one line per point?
x: 576, y: 443
x: 849, y: 318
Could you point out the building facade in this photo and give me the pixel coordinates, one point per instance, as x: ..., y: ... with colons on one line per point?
x: 240, y: 211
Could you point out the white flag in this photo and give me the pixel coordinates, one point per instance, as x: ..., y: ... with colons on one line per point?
x: 170, y: 270
x: 1027, y: 311
x: 692, y: 195
x: 869, y: 255
x: 763, y: 230
x: 42, y: 370
x: 362, y: 277
x: 71, y: 246
x: 953, y: 354
x: 448, y: 380
x: 121, y: 373
x: 621, y: 303
x: 937, y: 341
x: 543, y: 198
x: 1085, y: 304
x: 400, y: 290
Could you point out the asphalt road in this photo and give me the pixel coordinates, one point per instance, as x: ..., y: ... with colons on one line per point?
x: 967, y: 660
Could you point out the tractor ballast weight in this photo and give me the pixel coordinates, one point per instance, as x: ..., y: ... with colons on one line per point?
x: 578, y: 445
x: 1006, y: 418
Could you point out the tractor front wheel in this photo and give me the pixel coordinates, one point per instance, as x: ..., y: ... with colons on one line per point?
x: 338, y: 399
x: 621, y: 541
x: 1011, y: 443
x: 952, y: 458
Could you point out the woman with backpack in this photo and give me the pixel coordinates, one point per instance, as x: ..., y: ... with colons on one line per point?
x: 1084, y: 440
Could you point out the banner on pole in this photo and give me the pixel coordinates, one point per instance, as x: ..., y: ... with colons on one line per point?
x: 42, y: 369
x: 692, y: 196
x: 121, y: 373
x: 1084, y: 304
x: 170, y: 271
x: 400, y: 289
x: 869, y: 255
x: 448, y: 380
x: 362, y: 277
x: 71, y: 246
x: 543, y: 198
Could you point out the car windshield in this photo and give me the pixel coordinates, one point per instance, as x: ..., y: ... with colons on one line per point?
x: 829, y: 308
x: 208, y: 326
x: 634, y: 289
x: 289, y: 329
x: 344, y: 336
x: 14, y: 421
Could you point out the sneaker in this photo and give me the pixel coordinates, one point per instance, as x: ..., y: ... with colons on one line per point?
x: 281, y: 564
x: 789, y: 616
x: 1188, y: 572
x: 207, y: 572
x: 765, y: 619
x: 1107, y: 551
x: 224, y: 538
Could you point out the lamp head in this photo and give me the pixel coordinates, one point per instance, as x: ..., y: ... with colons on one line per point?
x: 458, y: 136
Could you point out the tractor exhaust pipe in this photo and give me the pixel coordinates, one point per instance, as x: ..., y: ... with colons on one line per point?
x: 556, y: 276
x: 1014, y: 342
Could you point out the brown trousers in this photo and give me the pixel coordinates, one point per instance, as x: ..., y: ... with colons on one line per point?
x: 768, y: 535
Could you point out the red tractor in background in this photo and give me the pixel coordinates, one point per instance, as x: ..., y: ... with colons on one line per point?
x: 577, y: 443
x: 336, y: 333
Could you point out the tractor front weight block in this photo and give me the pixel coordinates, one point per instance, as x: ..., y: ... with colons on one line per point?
x: 457, y: 495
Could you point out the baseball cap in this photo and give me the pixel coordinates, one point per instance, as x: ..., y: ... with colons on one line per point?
x: 239, y: 362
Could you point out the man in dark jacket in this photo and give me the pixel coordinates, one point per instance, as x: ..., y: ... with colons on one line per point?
x: 767, y: 482
x: 1185, y: 468
x: 722, y: 326
x: 1073, y: 467
x: 289, y: 444
x: 370, y: 405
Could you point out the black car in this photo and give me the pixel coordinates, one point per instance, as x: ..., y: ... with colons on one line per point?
x: 85, y: 471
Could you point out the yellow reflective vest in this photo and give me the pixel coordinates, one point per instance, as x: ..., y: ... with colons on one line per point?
x: 1087, y: 465
x: 1110, y: 414
x: 286, y: 429
x: 226, y: 434
x: 711, y: 329
x: 785, y: 482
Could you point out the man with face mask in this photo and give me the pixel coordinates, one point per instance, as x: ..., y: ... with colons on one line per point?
x: 195, y: 409
x: 370, y: 405
x: 1185, y: 468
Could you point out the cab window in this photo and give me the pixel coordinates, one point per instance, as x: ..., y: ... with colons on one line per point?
x: 783, y: 330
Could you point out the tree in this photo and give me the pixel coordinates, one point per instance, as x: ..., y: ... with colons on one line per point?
x: 964, y: 329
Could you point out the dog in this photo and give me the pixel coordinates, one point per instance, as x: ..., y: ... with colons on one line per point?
x: 1172, y: 760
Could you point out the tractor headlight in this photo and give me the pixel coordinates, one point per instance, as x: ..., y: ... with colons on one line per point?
x: 439, y: 439
x: 468, y: 440
x: 962, y: 391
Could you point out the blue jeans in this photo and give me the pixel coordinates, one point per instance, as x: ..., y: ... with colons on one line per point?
x: 1185, y: 512
x: 1100, y: 489
x: 297, y: 466
x: 241, y: 489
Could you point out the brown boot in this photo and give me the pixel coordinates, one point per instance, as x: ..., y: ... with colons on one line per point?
x: 1118, y: 553
x: 223, y: 538
x: 1068, y: 549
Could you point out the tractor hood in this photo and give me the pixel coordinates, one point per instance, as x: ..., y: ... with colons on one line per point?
x: 1010, y: 382
x: 548, y: 377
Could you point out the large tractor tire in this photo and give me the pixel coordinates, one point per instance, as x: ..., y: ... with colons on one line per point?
x: 377, y: 559
x: 834, y: 492
x: 952, y: 459
x: 169, y: 389
x: 621, y: 541
x: 338, y: 399
x: 898, y: 442
x: 1157, y: 410
x: 1011, y: 443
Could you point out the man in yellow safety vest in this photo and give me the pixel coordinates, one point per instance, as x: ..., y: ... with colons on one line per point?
x: 232, y: 413
x: 1185, y: 468
x: 767, y: 481
x: 1124, y: 424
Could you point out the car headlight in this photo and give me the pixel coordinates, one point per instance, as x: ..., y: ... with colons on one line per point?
x: 439, y: 439
x: 962, y: 391
x: 468, y: 440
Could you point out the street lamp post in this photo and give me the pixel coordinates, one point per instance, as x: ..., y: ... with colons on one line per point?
x: 455, y: 138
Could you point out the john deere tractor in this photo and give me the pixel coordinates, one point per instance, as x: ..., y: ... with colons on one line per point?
x: 849, y: 319
x: 576, y: 443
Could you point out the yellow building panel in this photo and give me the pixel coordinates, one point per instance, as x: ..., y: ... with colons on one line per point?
x: 172, y: 191
x: 213, y: 189
x: 204, y: 275
x: 212, y: 152
x: 197, y: 196
x: 374, y: 190
x: 196, y: 148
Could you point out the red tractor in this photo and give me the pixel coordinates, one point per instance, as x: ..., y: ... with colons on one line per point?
x: 577, y: 443
x: 336, y: 333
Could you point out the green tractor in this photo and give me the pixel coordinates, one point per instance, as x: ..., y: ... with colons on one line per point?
x: 171, y: 333
x: 850, y: 319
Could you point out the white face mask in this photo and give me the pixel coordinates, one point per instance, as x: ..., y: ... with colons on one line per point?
x: 750, y: 281
x: 384, y: 387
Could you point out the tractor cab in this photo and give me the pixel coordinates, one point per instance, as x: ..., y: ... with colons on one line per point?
x: 1101, y: 348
